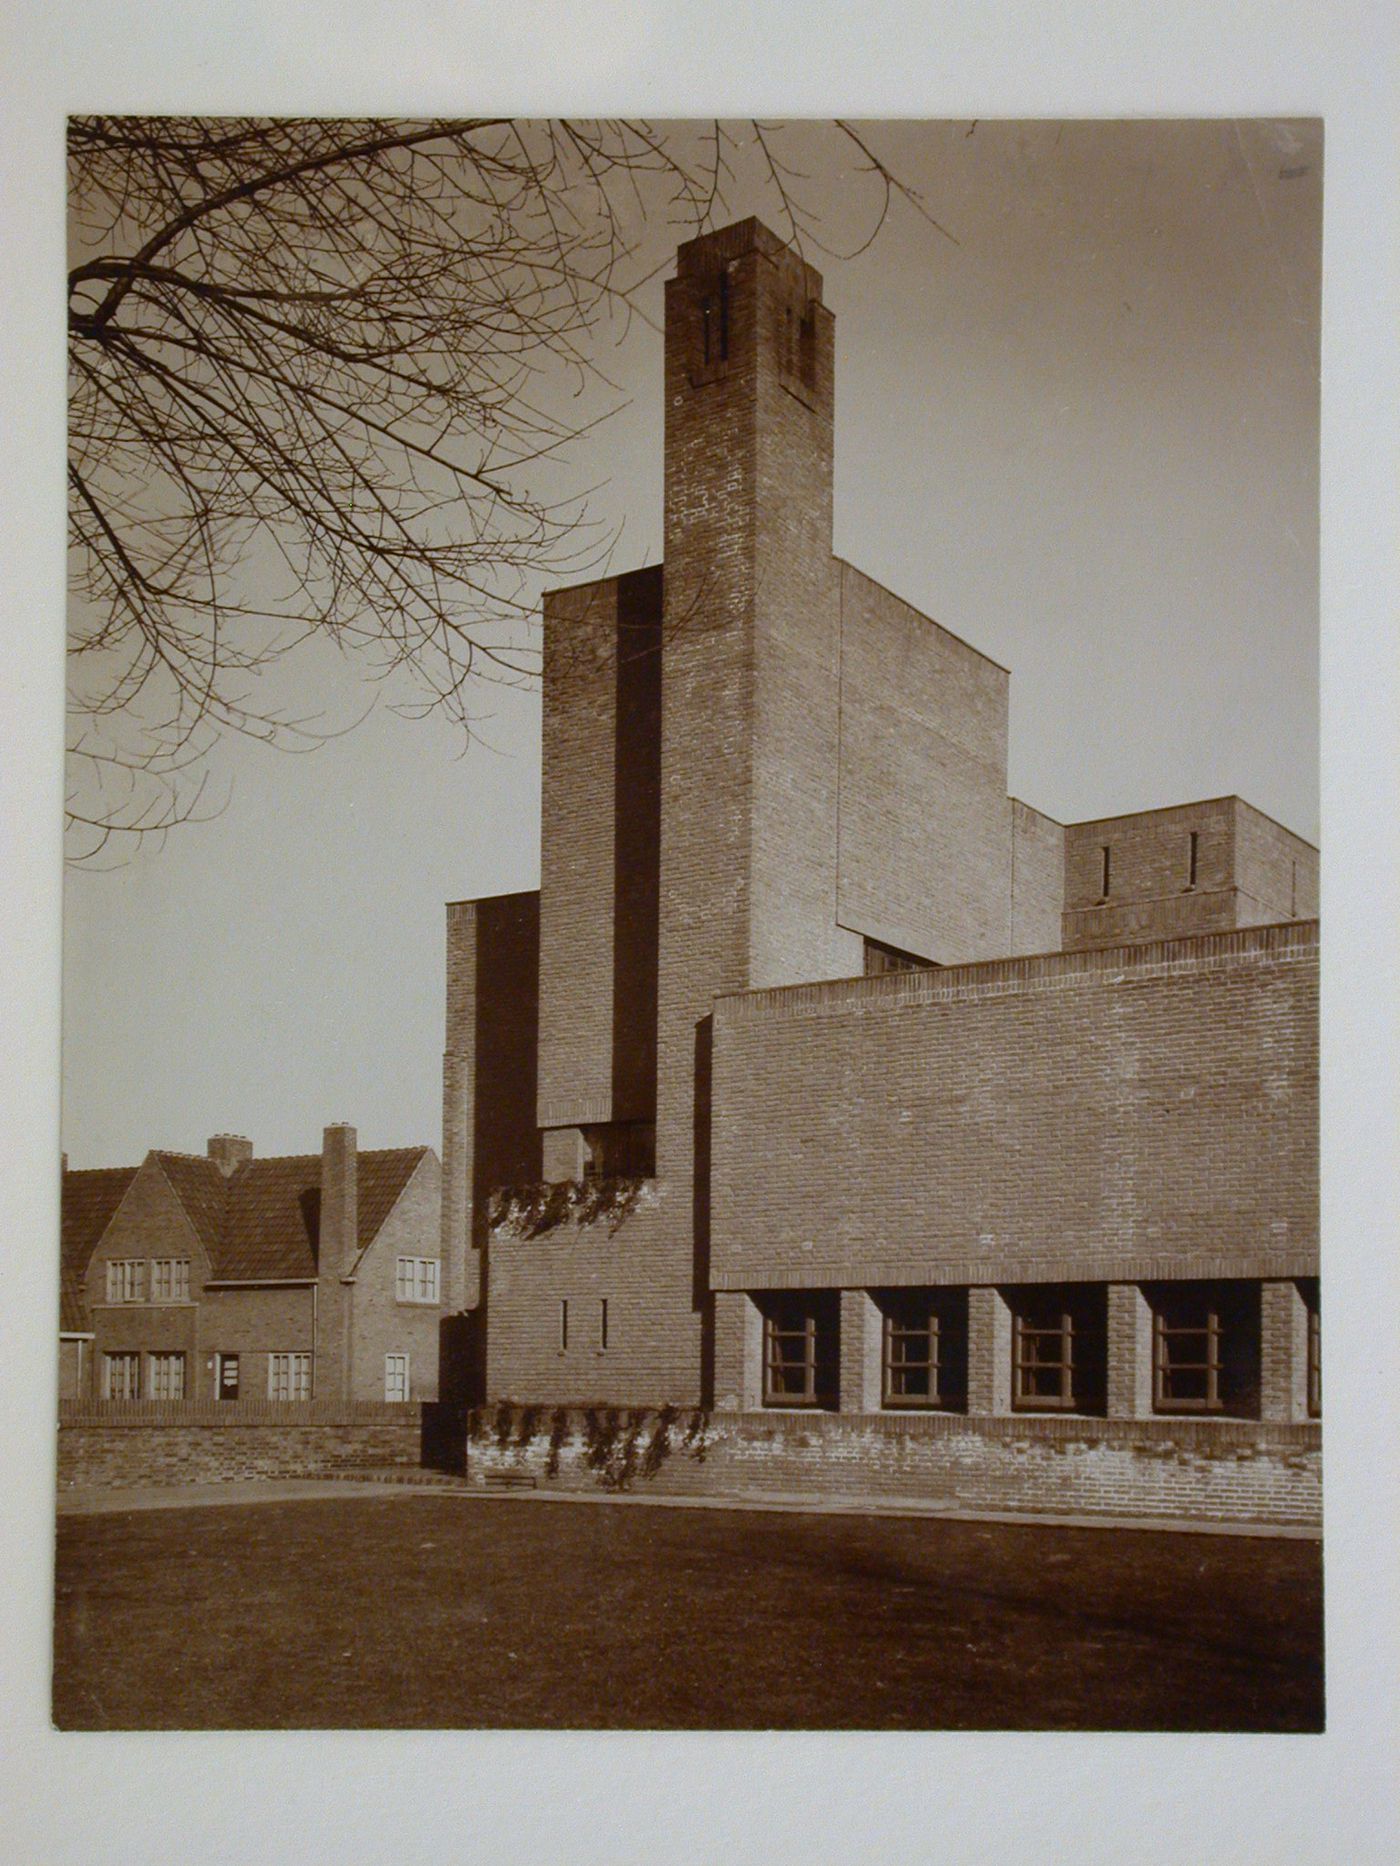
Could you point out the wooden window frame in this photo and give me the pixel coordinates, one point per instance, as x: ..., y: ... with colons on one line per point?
x: 129, y: 1359
x: 1211, y: 1331
x: 128, y: 1280
x: 412, y: 1277
x: 1314, y: 1307
x: 814, y: 1365
x: 173, y: 1272
x: 221, y: 1361
x: 1025, y: 1331
x: 298, y: 1372
x: 160, y: 1364
x: 396, y: 1399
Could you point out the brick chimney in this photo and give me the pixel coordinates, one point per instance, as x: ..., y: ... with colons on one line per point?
x: 339, y: 1200
x: 228, y: 1151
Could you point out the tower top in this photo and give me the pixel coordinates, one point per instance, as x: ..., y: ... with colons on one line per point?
x: 717, y: 248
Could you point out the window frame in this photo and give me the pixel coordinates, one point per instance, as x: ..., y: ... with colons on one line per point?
x: 221, y: 1361
x: 175, y: 1270
x: 298, y: 1374
x: 130, y: 1359
x: 390, y: 1358
x: 128, y: 1280
x: 1226, y: 1369
x: 1080, y: 1369
x: 913, y: 1316
x: 160, y: 1364
x: 819, y: 1363
x: 411, y: 1274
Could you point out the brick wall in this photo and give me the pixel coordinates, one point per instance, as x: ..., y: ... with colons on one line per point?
x: 599, y: 851
x: 1276, y: 871
x: 925, y: 860
x: 640, y: 1262
x: 1037, y: 883
x: 489, y: 1131
x: 253, y: 1324
x: 1146, y: 1111
x: 1208, y: 1470
x: 381, y: 1324
x: 110, y: 1446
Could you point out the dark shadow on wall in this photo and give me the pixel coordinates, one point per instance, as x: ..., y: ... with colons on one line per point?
x: 506, y: 1143
x: 701, y: 1296
x: 636, y: 844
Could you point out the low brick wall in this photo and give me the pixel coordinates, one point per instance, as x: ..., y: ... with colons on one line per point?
x: 114, y: 1443
x: 1217, y: 1470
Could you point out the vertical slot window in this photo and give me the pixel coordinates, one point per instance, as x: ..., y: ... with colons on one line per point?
x: 563, y: 1324
x: 1106, y: 872
x: 1191, y: 860
x: 603, y: 1324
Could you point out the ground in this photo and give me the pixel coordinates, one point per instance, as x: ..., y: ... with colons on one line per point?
x: 423, y: 1611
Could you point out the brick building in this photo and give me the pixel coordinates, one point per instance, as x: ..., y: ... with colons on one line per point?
x: 820, y: 1076
x: 225, y: 1278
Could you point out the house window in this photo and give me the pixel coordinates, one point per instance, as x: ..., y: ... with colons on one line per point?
x: 1205, y: 1347
x: 226, y: 1376
x: 126, y: 1279
x: 801, y: 1348
x: 289, y: 1376
x: 121, y: 1376
x: 167, y: 1376
x: 1058, y: 1348
x: 396, y: 1376
x: 1311, y: 1296
x: 925, y: 1348
x: 170, y: 1279
x: 416, y: 1279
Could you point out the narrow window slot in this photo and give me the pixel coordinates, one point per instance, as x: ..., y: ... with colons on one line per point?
x: 1105, y: 879
x: 1191, y: 867
x: 563, y: 1324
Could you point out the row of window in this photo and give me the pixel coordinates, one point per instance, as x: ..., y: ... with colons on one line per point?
x: 1205, y: 1348
x: 288, y: 1376
x: 168, y: 1279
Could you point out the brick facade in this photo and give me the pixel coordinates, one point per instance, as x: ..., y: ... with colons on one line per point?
x: 1083, y: 1088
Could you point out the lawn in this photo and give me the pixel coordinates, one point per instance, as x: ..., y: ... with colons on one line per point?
x: 421, y: 1611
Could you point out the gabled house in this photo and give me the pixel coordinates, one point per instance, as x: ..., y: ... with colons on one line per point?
x: 224, y: 1277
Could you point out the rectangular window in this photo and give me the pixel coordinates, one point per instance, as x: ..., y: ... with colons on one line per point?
x: 121, y: 1376
x: 1058, y: 1348
x: 1103, y: 890
x: 416, y: 1279
x: 226, y: 1376
x: 170, y: 1279
x: 126, y: 1279
x: 167, y: 1376
x: 1311, y: 1296
x: 396, y: 1376
x: 289, y: 1376
x: 1205, y: 1348
x: 563, y: 1324
x: 925, y: 1348
x: 603, y: 1324
x: 1191, y: 861
x: 801, y: 1348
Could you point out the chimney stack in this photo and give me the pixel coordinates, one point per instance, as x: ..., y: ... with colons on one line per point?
x: 228, y: 1151
x: 339, y: 1200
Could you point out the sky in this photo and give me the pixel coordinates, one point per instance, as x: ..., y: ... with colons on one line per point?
x: 1082, y: 433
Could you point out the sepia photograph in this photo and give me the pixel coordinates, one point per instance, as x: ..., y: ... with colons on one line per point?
x: 691, y: 939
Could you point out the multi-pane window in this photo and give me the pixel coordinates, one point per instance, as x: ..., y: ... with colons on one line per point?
x: 121, y: 1376
x: 396, y: 1376
x: 1311, y: 1298
x: 289, y: 1376
x: 1205, y: 1347
x: 1058, y: 1348
x: 416, y: 1279
x: 126, y: 1279
x: 167, y: 1376
x: 801, y: 1348
x: 226, y: 1376
x: 925, y: 1347
x: 170, y: 1279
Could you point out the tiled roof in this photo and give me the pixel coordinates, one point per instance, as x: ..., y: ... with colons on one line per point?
x: 203, y: 1193
x: 90, y: 1198
x: 269, y: 1225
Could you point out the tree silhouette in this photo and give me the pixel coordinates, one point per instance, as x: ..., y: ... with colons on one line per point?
x: 313, y: 375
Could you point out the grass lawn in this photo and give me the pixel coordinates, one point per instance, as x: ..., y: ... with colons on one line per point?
x: 447, y: 1612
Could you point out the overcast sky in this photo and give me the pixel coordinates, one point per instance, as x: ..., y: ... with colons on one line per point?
x: 1084, y: 438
